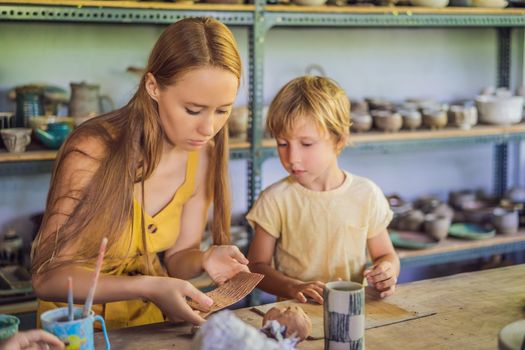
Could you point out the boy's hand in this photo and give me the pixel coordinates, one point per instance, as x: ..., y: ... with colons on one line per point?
x: 313, y: 290
x: 382, y: 278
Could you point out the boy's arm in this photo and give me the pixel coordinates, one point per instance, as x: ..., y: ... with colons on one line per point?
x: 382, y: 275
x: 260, y: 256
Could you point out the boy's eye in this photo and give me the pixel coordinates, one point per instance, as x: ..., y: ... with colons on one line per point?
x: 281, y: 144
x: 307, y: 144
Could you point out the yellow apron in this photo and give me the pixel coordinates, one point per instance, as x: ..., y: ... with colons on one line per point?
x: 127, y: 258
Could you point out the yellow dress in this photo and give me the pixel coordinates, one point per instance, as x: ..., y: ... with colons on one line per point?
x: 127, y: 257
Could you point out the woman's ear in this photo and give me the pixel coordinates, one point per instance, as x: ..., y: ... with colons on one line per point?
x: 152, y: 87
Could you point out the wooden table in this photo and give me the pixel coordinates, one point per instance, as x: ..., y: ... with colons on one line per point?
x: 468, y: 310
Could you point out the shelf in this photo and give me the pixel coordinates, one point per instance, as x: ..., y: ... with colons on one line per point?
x: 238, y: 150
x: 375, y: 140
x: 391, y: 16
x: 451, y: 250
x: 121, y: 11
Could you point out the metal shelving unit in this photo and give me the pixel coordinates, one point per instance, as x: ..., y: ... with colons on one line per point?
x: 259, y: 18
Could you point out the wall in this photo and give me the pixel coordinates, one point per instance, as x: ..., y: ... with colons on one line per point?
x: 446, y: 64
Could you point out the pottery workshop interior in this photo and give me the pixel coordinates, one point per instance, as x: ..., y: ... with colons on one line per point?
x: 372, y: 149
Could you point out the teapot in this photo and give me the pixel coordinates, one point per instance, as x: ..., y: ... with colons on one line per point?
x: 86, y: 102
x: 54, y: 136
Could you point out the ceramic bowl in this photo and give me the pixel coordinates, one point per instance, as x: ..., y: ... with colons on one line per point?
x: 361, y: 122
x: 8, y: 326
x: 429, y: 3
x: 16, y: 139
x: 358, y: 107
x: 41, y: 122
x: 499, y: 110
x: 387, y: 121
x: 505, y: 221
x: 411, y: 119
x: 434, y: 119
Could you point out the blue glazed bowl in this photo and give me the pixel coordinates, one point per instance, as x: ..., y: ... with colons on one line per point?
x: 8, y: 326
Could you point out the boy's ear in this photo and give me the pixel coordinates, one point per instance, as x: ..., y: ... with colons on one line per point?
x: 152, y: 87
x: 342, y: 143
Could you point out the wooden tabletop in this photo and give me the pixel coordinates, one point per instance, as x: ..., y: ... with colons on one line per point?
x: 464, y: 311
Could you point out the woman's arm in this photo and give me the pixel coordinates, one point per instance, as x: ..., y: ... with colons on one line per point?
x: 382, y: 275
x: 260, y: 256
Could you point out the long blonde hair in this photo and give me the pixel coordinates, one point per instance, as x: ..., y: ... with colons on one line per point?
x: 132, y: 142
x: 318, y: 98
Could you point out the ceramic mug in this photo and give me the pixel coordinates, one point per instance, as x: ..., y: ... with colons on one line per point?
x: 344, y: 315
x: 76, y: 334
x: 16, y: 139
x: 8, y: 326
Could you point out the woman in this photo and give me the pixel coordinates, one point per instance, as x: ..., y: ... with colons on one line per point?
x: 144, y: 176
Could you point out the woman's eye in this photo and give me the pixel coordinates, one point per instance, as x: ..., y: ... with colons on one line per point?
x: 222, y: 112
x: 307, y: 144
x: 192, y: 112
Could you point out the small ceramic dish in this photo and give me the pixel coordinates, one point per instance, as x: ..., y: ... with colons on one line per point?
x: 411, y: 240
x: 8, y: 326
x: 470, y: 231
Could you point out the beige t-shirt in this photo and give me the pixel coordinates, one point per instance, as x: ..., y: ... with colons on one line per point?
x: 321, y: 235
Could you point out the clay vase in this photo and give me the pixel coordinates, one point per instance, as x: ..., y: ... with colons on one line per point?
x: 86, y: 102
x: 436, y: 226
x: 238, y: 123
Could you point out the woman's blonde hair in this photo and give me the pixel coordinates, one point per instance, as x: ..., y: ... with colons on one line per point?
x: 317, y: 98
x: 132, y: 139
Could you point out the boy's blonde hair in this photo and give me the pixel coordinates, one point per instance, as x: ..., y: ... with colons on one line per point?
x: 318, y: 98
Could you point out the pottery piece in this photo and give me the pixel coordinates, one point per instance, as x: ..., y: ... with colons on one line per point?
x: 293, y: 317
x: 238, y: 123
x: 516, y: 194
x: 41, y: 122
x: 434, y: 119
x: 8, y: 326
x: 464, y: 117
x: 6, y: 120
x: 54, y: 136
x: 86, y: 102
x: 411, y: 119
x: 462, y: 199
x: 444, y: 210
x: 387, y: 121
x: 411, y: 221
x: 16, y: 139
x: 429, y: 3
x: 505, y: 221
x: 427, y: 204
x: 499, y: 110
x: 361, y: 122
x: 358, y: 107
x: 379, y: 104
x: 437, y: 226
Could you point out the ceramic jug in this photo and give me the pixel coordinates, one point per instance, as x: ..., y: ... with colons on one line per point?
x: 86, y: 102
x: 29, y: 103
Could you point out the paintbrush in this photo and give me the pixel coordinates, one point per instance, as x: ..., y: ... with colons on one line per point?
x: 70, y: 315
x: 91, y: 293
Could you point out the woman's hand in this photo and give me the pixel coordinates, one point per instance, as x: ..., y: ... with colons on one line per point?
x: 222, y: 262
x: 382, y: 277
x: 169, y: 294
x: 33, y: 339
x: 313, y: 290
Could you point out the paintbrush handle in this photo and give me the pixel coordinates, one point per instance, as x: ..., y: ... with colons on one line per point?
x: 98, y: 267
x: 70, y: 314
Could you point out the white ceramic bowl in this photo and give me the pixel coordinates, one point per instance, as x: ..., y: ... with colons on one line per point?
x: 429, y: 3
x: 490, y: 3
x: 499, y: 110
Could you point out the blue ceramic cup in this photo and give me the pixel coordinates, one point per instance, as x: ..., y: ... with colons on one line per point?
x: 76, y: 334
x: 8, y: 326
x: 344, y: 316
